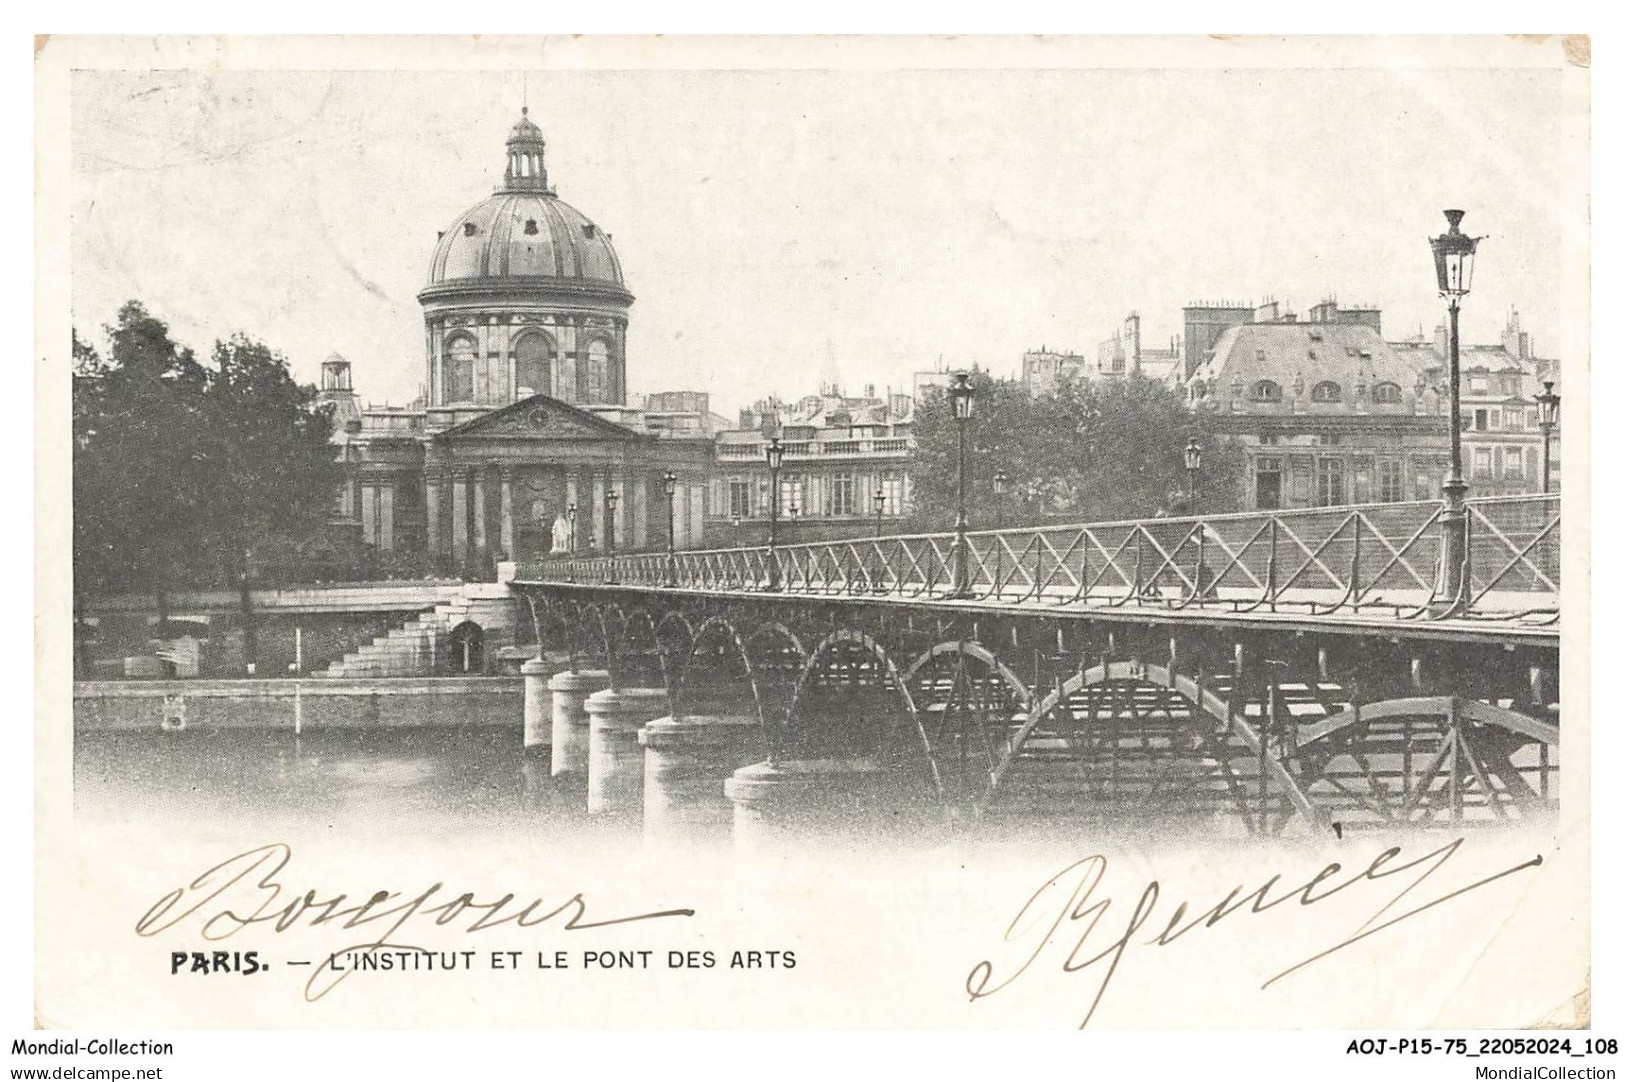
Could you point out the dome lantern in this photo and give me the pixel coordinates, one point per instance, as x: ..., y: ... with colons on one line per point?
x: 527, y: 169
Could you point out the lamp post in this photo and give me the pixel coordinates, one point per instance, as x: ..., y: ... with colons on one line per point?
x: 880, y: 510
x: 671, y: 528
x: 1548, y: 420
x: 775, y: 459
x: 963, y: 397
x: 1453, y: 253
x: 1000, y: 479
x: 611, y: 498
x: 570, y: 514
x: 1193, y: 466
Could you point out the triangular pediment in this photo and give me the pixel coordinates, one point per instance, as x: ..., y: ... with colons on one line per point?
x: 539, y: 417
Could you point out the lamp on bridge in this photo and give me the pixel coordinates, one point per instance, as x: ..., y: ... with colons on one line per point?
x: 611, y: 498
x: 1453, y: 257
x: 963, y: 397
x: 880, y: 509
x: 775, y: 459
x: 570, y: 517
x: 1000, y: 479
x: 671, y: 528
x: 1548, y: 403
x: 1193, y: 466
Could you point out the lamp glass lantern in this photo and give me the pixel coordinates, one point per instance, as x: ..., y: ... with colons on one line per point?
x: 1548, y: 402
x: 775, y: 454
x: 1453, y: 255
x: 671, y: 483
x: 999, y: 480
x: 1193, y: 455
x: 963, y: 396
x: 612, y: 498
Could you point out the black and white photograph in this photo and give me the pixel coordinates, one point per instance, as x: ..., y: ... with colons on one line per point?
x: 836, y: 533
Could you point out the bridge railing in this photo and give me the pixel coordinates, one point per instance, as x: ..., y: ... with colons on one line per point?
x: 1373, y: 558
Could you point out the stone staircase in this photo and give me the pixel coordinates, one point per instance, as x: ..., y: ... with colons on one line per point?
x: 415, y: 648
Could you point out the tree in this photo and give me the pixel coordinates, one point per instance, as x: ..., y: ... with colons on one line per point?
x: 1093, y: 451
x: 267, y: 458
x: 184, y: 469
x: 137, y: 457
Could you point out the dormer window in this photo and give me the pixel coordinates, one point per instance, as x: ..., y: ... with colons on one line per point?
x: 1326, y: 391
x: 530, y: 227
x: 1266, y: 391
x: 1386, y: 394
x: 469, y: 229
x: 589, y: 230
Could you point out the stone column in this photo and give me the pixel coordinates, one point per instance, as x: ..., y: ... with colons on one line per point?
x: 538, y: 701
x: 570, y: 691
x: 369, y: 520
x: 614, y: 759
x: 696, y: 516
x: 572, y: 495
x: 506, y: 511
x: 640, y: 509
x: 431, y: 509
x: 774, y: 802
x: 685, y: 763
x: 597, y: 519
x: 386, y: 517
x: 482, y: 543
x: 459, y: 517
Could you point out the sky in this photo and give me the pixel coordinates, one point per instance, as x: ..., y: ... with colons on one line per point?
x: 782, y: 228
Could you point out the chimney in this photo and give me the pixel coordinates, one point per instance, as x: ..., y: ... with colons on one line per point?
x: 1441, y: 340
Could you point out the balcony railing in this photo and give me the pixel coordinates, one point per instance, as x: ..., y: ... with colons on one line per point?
x: 1373, y: 560
x: 890, y: 445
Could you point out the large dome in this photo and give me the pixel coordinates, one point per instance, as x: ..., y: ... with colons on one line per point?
x: 525, y: 230
x: 519, y: 234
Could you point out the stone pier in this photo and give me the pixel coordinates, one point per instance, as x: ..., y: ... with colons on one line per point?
x: 537, y: 671
x: 685, y: 763
x: 773, y: 802
x: 570, y: 724
x: 614, y: 759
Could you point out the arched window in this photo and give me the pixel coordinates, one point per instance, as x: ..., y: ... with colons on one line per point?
x: 1266, y: 391
x: 459, y: 369
x: 598, y: 373
x: 533, y: 363
x: 1387, y: 394
x: 1326, y: 391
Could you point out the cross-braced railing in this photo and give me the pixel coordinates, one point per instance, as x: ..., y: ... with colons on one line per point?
x: 1371, y: 559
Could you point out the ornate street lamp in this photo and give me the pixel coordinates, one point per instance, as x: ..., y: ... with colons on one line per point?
x: 1000, y: 479
x: 1193, y: 466
x: 671, y: 528
x: 775, y: 459
x: 611, y: 498
x: 1548, y: 420
x: 1453, y: 254
x: 880, y: 510
x: 570, y: 514
x: 963, y: 397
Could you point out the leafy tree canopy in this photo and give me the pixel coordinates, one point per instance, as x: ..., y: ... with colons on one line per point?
x: 1093, y: 451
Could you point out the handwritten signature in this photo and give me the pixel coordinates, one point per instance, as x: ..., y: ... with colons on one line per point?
x: 1041, y: 919
x: 244, y: 891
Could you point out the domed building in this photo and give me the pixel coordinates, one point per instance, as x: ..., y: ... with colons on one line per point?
x: 522, y: 444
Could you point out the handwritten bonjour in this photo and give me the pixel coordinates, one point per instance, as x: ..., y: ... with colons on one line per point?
x: 255, y: 901
x: 1041, y: 913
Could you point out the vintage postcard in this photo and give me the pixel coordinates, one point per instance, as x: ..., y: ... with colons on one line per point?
x: 575, y: 533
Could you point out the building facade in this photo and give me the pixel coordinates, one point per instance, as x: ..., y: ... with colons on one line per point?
x: 1327, y: 413
x: 840, y: 453
x: 523, y: 443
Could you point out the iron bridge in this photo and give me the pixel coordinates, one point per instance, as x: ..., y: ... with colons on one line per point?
x: 1261, y: 672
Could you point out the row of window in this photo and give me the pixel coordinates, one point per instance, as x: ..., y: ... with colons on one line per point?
x: 535, y: 372
x: 1327, y: 391
x: 837, y: 495
x: 1331, y: 481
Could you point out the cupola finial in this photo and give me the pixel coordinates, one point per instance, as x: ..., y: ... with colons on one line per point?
x: 527, y: 168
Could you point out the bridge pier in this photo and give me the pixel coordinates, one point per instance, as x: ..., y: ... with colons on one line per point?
x: 570, y: 723
x: 539, y: 700
x: 775, y: 802
x: 685, y: 763
x: 614, y: 759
